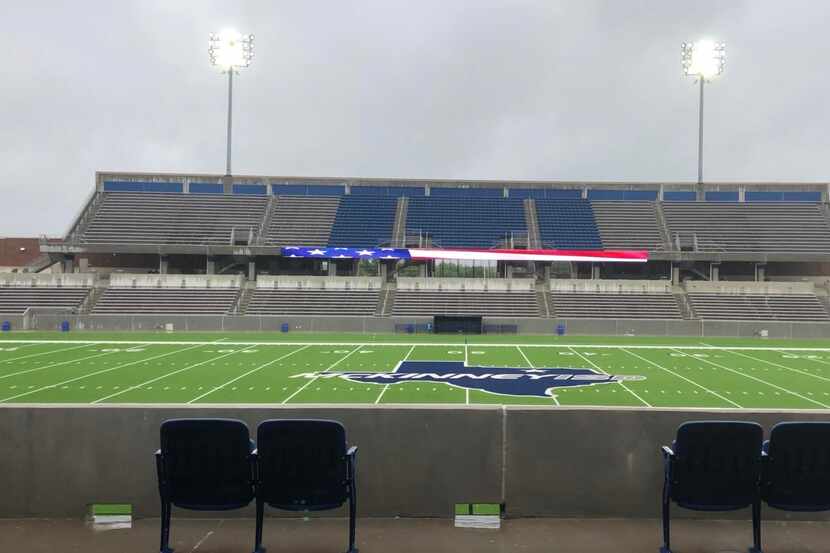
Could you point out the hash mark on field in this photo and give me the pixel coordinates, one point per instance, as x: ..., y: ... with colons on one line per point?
x: 620, y: 382
x: 91, y: 374
x: 780, y: 366
x: 649, y: 361
x: 304, y: 386
x: 58, y: 364
x: 137, y: 386
x: 269, y: 363
x: 41, y: 353
x: 765, y: 382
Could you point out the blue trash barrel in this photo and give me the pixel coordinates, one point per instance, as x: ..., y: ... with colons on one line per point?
x: 560, y: 329
x: 65, y: 326
x: 7, y: 326
x: 284, y: 327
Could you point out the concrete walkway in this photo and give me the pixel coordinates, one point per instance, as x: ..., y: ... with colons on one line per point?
x: 413, y: 535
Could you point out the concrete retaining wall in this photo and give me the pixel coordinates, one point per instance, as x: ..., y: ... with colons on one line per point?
x: 593, y: 286
x: 125, y: 280
x: 743, y: 288
x: 412, y: 461
x: 477, y: 284
x: 49, y: 280
x: 373, y: 325
x: 319, y: 282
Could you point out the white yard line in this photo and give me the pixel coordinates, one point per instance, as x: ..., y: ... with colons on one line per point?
x: 467, y: 396
x: 231, y: 381
x: 41, y: 353
x: 56, y: 364
x: 780, y: 365
x: 621, y: 383
x: 762, y: 381
x: 714, y: 393
x: 121, y: 366
x: 407, y: 344
x: 529, y: 364
x: 466, y: 355
x: 188, y: 367
x: 304, y: 386
x: 386, y: 387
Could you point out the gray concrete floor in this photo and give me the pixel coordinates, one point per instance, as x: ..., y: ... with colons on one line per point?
x: 413, y: 535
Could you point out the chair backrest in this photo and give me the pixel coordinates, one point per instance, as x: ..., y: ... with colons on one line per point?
x: 301, y: 464
x: 206, y: 463
x: 797, y: 471
x: 717, y: 464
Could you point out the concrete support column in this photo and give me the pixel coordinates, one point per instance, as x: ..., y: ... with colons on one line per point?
x: 332, y: 268
x: 508, y: 271
x: 422, y: 270
x: 211, y: 265
x: 594, y: 271
x: 68, y: 263
x: 383, y: 271
x: 83, y: 264
x: 760, y: 272
x: 547, y: 272
x: 252, y: 269
x: 714, y: 271
x: 675, y: 274
x: 574, y: 272
x: 164, y: 264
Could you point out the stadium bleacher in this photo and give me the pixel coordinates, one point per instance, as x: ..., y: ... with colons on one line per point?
x: 314, y: 301
x: 628, y: 225
x: 363, y: 221
x: 164, y: 218
x: 614, y: 306
x: 750, y: 227
x: 16, y: 299
x: 465, y: 302
x: 567, y: 224
x: 752, y: 307
x: 473, y: 221
x: 146, y: 300
x: 302, y: 220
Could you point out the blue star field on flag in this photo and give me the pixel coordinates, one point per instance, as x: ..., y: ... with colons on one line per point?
x: 322, y: 252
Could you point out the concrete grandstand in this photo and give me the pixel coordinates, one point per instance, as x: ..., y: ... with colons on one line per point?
x: 728, y: 258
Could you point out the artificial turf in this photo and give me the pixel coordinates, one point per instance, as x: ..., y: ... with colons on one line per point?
x: 269, y: 368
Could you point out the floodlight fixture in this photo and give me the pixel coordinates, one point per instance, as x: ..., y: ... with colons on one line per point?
x: 230, y: 51
x: 704, y: 60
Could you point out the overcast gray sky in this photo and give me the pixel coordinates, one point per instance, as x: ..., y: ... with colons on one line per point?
x: 524, y: 89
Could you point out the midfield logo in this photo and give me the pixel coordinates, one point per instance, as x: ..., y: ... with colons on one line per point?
x: 498, y: 380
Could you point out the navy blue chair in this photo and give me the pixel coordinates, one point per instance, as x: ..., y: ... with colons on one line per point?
x: 796, y: 473
x: 203, y: 465
x: 304, y: 465
x: 714, y: 466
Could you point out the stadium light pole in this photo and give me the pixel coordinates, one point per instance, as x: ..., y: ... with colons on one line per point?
x: 703, y: 60
x: 230, y: 51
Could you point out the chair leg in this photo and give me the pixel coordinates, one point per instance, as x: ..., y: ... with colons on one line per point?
x: 166, y: 509
x: 352, y: 520
x: 666, y: 548
x: 260, y: 515
x: 756, y: 527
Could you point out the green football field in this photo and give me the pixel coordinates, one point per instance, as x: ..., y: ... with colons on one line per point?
x: 260, y: 368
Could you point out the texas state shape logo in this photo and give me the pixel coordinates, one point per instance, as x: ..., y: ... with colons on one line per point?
x: 511, y: 381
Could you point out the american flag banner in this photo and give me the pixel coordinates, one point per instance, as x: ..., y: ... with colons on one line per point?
x: 469, y: 254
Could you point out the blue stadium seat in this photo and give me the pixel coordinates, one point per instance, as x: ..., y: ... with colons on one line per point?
x: 363, y: 221
x: 568, y: 224
x: 796, y: 474
x: 304, y: 465
x: 466, y: 222
x: 714, y: 466
x: 203, y: 465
